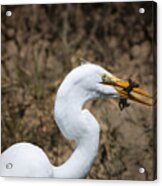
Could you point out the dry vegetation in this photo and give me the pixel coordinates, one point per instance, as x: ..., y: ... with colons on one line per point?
x: 41, y: 44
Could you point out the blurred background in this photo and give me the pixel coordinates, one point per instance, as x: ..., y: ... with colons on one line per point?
x: 41, y: 44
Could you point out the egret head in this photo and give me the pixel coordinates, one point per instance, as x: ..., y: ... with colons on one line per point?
x: 93, y: 81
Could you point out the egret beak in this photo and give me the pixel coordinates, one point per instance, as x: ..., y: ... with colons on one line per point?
x: 127, y: 91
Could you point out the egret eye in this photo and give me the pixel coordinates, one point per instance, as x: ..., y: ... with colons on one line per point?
x: 104, y: 77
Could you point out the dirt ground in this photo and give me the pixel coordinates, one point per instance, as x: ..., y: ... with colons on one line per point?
x: 40, y: 46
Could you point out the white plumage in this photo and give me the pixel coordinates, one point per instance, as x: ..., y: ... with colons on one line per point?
x: 81, y: 84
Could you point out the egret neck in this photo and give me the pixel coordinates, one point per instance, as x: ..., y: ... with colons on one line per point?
x: 79, y: 125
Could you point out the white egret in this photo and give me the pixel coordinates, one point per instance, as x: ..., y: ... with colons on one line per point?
x: 84, y: 83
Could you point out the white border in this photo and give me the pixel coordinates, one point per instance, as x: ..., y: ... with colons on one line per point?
x: 3, y: 2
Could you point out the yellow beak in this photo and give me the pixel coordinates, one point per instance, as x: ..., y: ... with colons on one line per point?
x: 126, y: 91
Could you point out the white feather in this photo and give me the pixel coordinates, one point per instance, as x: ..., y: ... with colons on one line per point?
x: 80, y: 85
